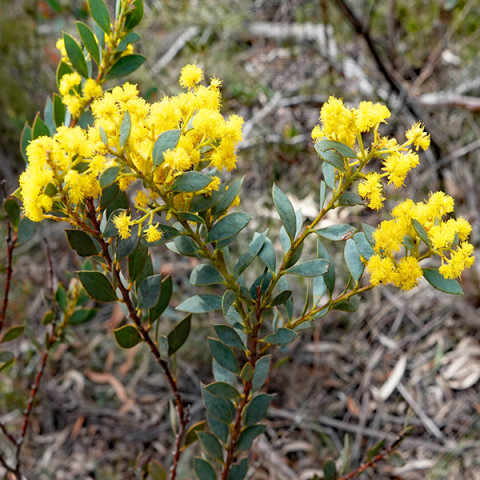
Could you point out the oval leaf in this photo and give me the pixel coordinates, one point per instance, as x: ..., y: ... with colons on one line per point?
x: 437, y: 280
x: 228, y: 226
x: 205, y: 275
x: 191, y: 182
x: 238, y: 471
x: 89, y: 40
x: 353, y: 259
x: 283, y: 336
x: 257, y: 408
x: 97, y: 285
x: 310, y: 268
x: 201, y: 303
x: 179, y: 334
x: 75, y: 54
x: 135, y: 15
x: 99, y: 12
x: 12, y: 333
x: 260, y: 375
x: 229, y: 336
x: 81, y: 243
x: 223, y: 390
x: 223, y: 355
x: 336, y: 232
x: 211, y: 445
x: 203, y: 469
x: 127, y: 336
x: 126, y: 65
x: 248, y: 435
x: 286, y: 211
x: 149, y: 291
x: 166, y: 141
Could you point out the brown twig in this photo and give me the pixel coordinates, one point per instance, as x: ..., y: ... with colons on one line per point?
x: 380, y: 456
x: 43, y: 362
x: 247, y: 388
x: 182, y: 412
x: 11, y: 241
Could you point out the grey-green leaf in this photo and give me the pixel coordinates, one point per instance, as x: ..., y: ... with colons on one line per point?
x: 203, y: 469
x: 229, y: 336
x: 283, y: 336
x: 125, y: 128
x: 260, y: 375
x: 201, y: 303
x: 422, y: 233
x: 211, y: 445
x: 223, y: 355
x: 81, y: 242
x: 257, y: 408
x: 100, y: 14
x: 353, y: 259
x: 75, y: 54
x: 248, y: 435
x: 126, y: 65
x: 167, y: 140
x: 179, y: 334
x: 149, y: 291
x: 286, y: 212
x: 97, y: 285
x: 89, y: 40
x: 127, y: 336
x: 310, y: 268
x: 336, y: 232
x: 205, y: 275
x: 438, y: 281
x: 223, y: 390
x: 228, y: 226
x: 191, y: 182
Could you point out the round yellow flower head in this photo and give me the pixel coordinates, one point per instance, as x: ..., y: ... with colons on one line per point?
x: 152, y: 234
x: 122, y: 222
x: 190, y: 76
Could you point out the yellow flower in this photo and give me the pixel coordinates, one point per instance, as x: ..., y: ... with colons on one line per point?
x: 397, y: 165
x: 408, y: 273
x: 122, y: 222
x: 91, y: 89
x: 177, y: 159
x: 371, y: 189
x: 418, y: 136
x: 190, y: 76
x: 388, y: 237
x: 61, y: 47
x: 68, y: 82
x: 152, y: 234
x: 460, y: 259
x: 369, y: 115
x: 381, y: 269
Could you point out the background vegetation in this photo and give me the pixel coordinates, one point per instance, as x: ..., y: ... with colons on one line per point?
x: 99, y: 414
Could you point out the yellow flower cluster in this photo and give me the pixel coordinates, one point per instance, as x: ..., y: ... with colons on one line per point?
x: 345, y: 125
x: 64, y: 170
x: 446, y: 238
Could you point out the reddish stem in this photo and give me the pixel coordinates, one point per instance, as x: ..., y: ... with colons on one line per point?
x: 182, y: 412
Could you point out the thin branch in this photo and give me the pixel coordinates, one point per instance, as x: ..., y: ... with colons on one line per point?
x: 11, y: 241
x: 380, y: 456
x: 43, y: 362
x: 183, y: 414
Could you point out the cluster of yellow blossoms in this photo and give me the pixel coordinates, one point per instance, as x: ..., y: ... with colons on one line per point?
x: 65, y: 170
x: 445, y: 238
x: 345, y: 125
x: 418, y: 229
x: 75, y: 93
